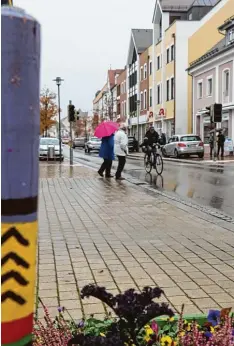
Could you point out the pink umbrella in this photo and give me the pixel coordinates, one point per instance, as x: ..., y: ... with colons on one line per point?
x: 105, y: 129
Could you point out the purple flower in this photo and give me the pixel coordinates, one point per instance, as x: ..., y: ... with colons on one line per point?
x: 214, y: 317
x: 61, y: 309
x: 208, y: 334
x: 81, y: 324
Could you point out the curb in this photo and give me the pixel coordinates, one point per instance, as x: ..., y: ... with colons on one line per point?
x: 207, y: 163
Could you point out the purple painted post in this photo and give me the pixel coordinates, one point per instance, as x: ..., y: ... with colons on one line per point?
x: 20, y: 147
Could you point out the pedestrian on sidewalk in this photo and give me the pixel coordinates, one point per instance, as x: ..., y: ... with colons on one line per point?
x: 211, y: 143
x: 221, y: 141
x: 107, y: 153
x: 121, y: 150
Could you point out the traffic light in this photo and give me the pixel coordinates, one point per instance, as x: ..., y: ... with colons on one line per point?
x: 77, y: 115
x: 217, y: 113
x: 71, y: 113
x: 209, y: 113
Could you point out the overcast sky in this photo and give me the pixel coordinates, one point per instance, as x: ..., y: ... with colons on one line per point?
x: 82, y: 40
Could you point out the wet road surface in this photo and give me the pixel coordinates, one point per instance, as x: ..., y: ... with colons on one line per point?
x: 210, y: 187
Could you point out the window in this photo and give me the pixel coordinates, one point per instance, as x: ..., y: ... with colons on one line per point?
x: 190, y: 139
x: 142, y: 76
x: 158, y: 94
x: 150, y: 97
x: 142, y: 101
x: 199, y: 90
x: 168, y: 55
x: 150, y: 68
x: 145, y: 99
x: 168, y: 90
x: 226, y: 82
x: 231, y: 35
x: 172, y: 88
x: 190, y: 16
x: 172, y: 52
x: 158, y: 62
x: 145, y: 71
x: 209, y: 89
x: 125, y: 108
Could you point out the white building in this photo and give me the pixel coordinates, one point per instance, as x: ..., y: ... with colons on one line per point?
x: 213, y: 82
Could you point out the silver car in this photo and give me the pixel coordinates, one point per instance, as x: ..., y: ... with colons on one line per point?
x: 94, y: 144
x: 45, y: 144
x: 78, y: 142
x: 184, y: 145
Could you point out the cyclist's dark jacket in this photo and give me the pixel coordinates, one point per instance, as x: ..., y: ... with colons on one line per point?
x: 150, y: 138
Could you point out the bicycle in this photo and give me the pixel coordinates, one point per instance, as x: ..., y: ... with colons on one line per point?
x: 155, y: 160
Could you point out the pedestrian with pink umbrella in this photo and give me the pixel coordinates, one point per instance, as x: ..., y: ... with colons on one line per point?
x: 106, y: 131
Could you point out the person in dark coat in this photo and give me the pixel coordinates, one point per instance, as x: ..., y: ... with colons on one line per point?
x: 107, y: 153
x: 211, y: 142
x: 221, y: 141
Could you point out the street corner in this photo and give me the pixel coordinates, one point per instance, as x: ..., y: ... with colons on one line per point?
x: 54, y: 169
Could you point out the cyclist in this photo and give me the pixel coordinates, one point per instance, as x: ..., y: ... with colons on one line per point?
x: 151, y: 138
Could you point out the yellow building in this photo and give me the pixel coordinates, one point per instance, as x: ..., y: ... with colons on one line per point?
x: 204, y: 38
x: 174, y: 22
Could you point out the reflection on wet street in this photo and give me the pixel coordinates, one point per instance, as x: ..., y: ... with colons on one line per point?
x: 55, y: 169
x: 212, y: 187
x: 205, y: 185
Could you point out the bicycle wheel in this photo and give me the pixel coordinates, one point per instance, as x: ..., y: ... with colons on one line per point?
x: 159, y: 164
x: 147, y: 163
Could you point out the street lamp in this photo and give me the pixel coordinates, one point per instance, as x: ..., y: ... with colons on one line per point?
x: 58, y: 81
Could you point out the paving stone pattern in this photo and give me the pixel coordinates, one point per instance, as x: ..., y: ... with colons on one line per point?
x: 93, y: 230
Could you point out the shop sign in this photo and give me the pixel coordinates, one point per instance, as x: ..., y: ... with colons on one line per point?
x: 228, y: 145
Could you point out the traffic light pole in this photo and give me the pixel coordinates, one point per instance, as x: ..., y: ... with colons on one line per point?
x: 71, y: 150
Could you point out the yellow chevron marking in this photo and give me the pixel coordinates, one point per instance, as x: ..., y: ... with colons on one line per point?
x: 22, y: 282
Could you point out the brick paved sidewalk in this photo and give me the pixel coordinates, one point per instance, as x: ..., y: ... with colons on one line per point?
x: 94, y: 230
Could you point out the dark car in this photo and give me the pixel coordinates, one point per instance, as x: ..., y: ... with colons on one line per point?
x: 132, y: 144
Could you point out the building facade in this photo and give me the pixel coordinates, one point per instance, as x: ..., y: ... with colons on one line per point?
x: 203, y: 39
x: 213, y: 82
x: 122, y: 97
x: 140, y: 41
x: 174, y: 21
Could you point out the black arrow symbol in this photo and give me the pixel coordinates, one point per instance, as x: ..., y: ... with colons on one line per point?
x: 13, y: 232
x: 14, y: 275
x: 13, y: 296
x: 18, y: 260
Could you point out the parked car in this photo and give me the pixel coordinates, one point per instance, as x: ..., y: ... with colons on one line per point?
x: 132, y: 144
x: 93, y: 144
x: 78, y: 142
x: 45, y: 144
x: 184, y: 145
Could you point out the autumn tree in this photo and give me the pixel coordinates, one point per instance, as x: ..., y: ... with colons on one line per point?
x: 95, y: 121
x: 48, y: 111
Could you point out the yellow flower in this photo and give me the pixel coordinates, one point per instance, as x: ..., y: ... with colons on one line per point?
x: 101, y: 334
x: 182, y: 333
x: 147, y: 338
x: 149, y: 331
x: 166, y: 341
x: 189, y: 327
x: 171, y: 319
x: 212, y: 330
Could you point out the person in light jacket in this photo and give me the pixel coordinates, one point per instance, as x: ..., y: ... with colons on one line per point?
x: 121, y: 150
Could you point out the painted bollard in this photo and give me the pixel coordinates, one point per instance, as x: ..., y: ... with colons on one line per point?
x: 20, y: 142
